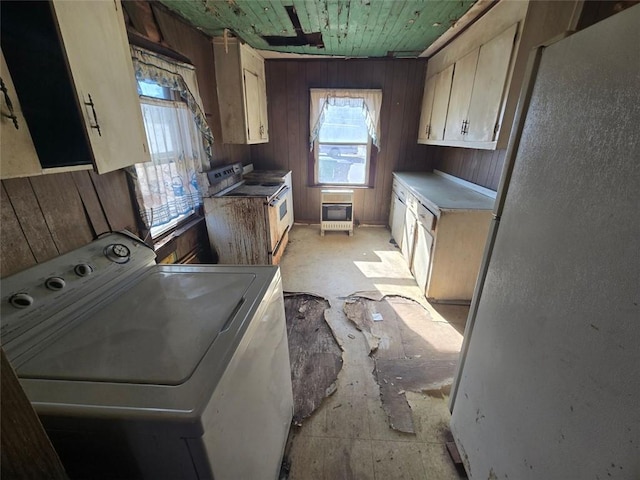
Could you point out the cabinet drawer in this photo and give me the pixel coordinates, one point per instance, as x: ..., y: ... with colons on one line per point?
x: 426, y: 217
x: 400, y: 190
x: 412, y: 204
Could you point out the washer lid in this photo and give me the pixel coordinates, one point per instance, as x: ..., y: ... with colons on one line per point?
x: 156, y: 332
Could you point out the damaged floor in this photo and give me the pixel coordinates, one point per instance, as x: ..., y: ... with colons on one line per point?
x: 349, y: 435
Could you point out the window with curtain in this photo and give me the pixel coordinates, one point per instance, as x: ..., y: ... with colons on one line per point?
x: 169, y: 187
x: 344, y: 126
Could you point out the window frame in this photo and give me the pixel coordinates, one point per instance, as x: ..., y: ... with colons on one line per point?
x: 313, y: 161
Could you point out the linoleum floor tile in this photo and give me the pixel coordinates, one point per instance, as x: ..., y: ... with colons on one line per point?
x: 397, y: 460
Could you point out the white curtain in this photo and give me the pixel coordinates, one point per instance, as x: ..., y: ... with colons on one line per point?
x: 167, y: 187
x: 369, y: 100
x: 179, y: 77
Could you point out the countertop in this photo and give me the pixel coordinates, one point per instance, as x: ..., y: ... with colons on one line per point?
x: 436, y: 190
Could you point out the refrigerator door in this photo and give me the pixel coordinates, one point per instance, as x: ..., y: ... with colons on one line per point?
x: 549, y: 385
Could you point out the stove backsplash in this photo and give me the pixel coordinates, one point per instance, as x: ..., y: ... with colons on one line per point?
x: 219, y: 179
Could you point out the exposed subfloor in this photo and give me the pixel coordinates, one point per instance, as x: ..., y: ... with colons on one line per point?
x: 349, y: 436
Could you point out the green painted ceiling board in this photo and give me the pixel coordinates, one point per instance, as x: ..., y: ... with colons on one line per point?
x: 396, y: 28
x: 303, y: 15
x: 368, y: 30
x: 343, y: 20
x: 361, y: 17
x: 356, y: 28
x: 376, y: 41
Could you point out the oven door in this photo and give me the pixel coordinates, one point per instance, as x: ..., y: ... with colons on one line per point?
x: 279, y: 213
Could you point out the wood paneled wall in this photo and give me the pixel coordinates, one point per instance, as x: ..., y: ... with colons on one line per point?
x: 288, y: 84
x: 48, y: 215
x: 482, y: 167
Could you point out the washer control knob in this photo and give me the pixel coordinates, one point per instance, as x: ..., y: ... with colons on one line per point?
x: 21, y: 300
x: 83, y: 269
x: 55, y: 283
x: 117, y: 253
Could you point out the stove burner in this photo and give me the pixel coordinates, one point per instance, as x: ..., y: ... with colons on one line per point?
x: 236, y: 194
x: 271, y: 184
x: 252, y: 183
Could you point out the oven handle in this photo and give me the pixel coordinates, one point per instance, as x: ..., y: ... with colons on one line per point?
x: 280, y: 196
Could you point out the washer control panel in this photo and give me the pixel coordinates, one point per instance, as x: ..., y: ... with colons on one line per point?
x: 69, y: 281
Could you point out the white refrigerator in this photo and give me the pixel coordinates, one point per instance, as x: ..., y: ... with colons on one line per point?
x: 548, y: 385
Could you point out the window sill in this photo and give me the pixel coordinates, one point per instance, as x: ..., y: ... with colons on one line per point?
x: 175, y: 231
x: 340, y: 185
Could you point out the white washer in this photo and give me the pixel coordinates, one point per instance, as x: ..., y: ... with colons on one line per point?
x: 140, y: 370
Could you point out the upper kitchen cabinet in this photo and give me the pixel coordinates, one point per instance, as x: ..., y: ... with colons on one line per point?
x: 488, y: 62
x: 71, y: 69
x: 17, y: 152
x: 476, y: 94
x: 242, y: 92
x: 435, y: 103
x: 461, y: 89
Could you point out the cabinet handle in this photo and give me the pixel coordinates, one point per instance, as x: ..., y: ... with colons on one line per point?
x: 7, y: 100
x: 261, y: 131
x: 95, y: 117
x: 462, y: 127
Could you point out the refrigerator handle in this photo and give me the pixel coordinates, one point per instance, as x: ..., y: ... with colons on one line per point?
x: 510, y: 156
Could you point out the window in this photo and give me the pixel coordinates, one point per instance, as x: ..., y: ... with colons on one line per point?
x: 344, y: 133
x: 343, y: 146
x: 168, y: 184
x: 168, y: 187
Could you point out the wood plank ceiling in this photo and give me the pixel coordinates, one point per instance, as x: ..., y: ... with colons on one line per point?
x: 349, y: 28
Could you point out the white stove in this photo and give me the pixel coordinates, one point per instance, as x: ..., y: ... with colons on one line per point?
x: 140, y: 370
x: 248, y: 220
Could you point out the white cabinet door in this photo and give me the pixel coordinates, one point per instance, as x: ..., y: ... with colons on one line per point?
x: 408, y: 238
x: 242, y: 92
x: 427, y: 107
x: 397, y: 220
x: 422, y: 257
x: 97, y: 49
x: 463, y: 77
x: 264, y: 120
x: 440, y: 103
x: 252, y: 106
x: 488, y: 86
x: 18, y: 157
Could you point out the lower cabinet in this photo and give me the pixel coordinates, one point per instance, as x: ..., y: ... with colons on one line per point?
x: 441, y: 232
x: 422, y: 257
x: 456, y: 255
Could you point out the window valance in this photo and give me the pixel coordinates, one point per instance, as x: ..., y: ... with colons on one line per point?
x: 369, y: 100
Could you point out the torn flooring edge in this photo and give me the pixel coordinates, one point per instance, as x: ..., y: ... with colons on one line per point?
x: 314, y: 352
x: 411, y: 351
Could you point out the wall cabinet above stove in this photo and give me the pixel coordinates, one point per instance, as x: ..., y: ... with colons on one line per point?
x: 70, y: 81
x: 488, y: 63
x: 242, y: 92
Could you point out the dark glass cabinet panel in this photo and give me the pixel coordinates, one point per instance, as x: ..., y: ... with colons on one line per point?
x: 35, y: 56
